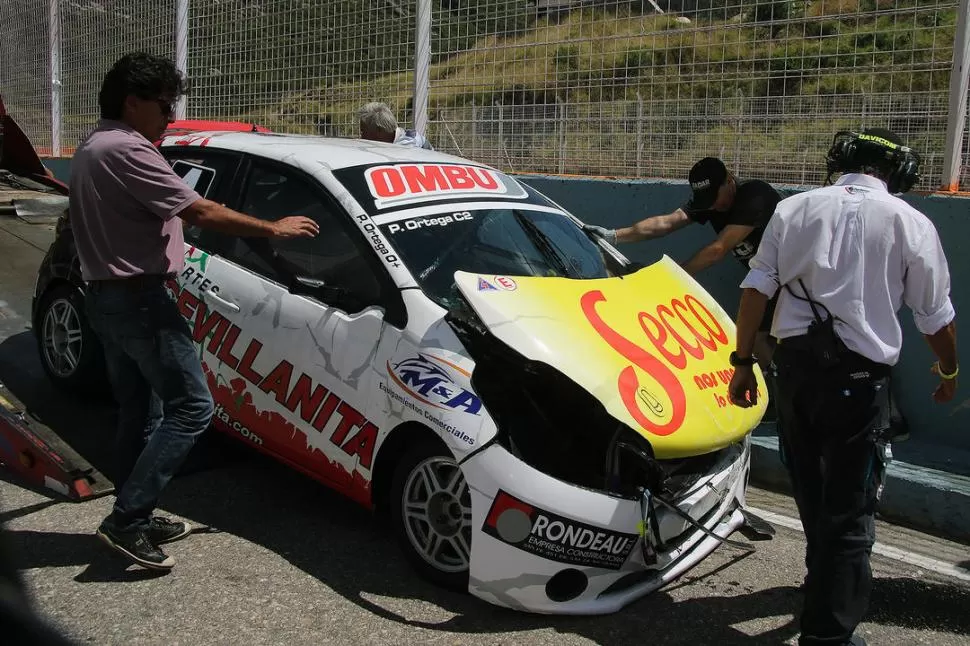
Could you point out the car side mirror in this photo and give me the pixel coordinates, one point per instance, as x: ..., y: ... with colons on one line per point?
x: 307, y: 286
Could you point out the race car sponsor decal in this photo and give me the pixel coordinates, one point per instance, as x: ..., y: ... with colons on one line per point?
x: 424, y: 223
x: 377, y: 240
x: 223, y: 416
x: 651, y: 346
x: 444, y: 426
x: 297, y: 392
x: 662, y: 328
x: 195, y: 275
x: 650, y: 400
x: 198, y: 257
x: 426, y: 379
x: 505, y: 283
x: 496, y: 283
x: 400, y: 184
x: 235, y: 394
x: 555, y: 537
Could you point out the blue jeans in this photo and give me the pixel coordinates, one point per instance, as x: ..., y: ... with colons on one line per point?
x: 163, y: 400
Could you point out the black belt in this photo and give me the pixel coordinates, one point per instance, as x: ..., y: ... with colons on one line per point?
x: 135, y: 282
x: 800, y: 345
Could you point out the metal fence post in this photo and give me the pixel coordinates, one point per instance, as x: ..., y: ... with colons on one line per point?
x: 55, y: 75
x: 639, y: 133
x: 474, y: 129
x: 501, y: 127
x: 739, y: 140
x: 181, y: 48
x: 561, y: 109
x: 956, y: 118
x: 422, y: 65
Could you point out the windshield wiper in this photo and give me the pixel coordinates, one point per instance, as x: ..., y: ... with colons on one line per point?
x: 541, y: 241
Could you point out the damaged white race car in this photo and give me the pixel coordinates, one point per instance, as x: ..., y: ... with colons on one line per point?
x: 546, y: 423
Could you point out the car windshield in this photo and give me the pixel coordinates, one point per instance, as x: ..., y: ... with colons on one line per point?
x: 495, y: 241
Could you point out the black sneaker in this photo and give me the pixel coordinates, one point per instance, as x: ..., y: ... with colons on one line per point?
x: 162, y: 530
x: 137, y: 547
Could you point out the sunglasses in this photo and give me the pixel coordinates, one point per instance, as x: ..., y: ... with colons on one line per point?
x: 167, y: 106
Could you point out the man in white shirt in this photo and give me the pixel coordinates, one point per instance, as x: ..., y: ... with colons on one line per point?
x: 858, y: 252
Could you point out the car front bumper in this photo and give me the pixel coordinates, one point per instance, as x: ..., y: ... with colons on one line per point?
x: 543, y: 545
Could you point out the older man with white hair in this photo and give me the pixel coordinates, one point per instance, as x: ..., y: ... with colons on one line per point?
x: 377, y: 123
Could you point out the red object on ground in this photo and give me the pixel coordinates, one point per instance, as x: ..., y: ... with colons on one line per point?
x: 34, y: 452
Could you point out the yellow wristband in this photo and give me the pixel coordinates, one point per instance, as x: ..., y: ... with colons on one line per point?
x: 945, y: 376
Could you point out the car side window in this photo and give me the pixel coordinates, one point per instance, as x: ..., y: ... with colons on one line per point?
x: 331, y: 256
x: 206, y: 174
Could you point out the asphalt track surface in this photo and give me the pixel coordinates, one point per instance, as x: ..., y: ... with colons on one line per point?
x: 278, y: 559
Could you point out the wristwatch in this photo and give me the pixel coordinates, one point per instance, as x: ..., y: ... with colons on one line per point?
x: 738, y: 361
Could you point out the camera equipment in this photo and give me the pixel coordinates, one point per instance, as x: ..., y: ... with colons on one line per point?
x: 852, y: 151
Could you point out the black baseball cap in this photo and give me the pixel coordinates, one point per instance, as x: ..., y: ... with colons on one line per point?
x: 705, y: 178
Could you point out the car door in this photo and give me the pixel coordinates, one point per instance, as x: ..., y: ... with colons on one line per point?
x: 292, y: 366
x: 212, y: 174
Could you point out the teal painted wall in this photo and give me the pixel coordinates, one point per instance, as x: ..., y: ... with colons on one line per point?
x: 940, y: 434
x: 61, y: 167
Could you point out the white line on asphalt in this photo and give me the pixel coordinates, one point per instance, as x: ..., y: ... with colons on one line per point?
x: 925, y: 562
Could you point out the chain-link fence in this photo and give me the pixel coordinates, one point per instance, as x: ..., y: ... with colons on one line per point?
x: 628, y: 88
x: 619, y: 88
x: 93, y: 36
x: 299, y: 65
x: 25, y: 69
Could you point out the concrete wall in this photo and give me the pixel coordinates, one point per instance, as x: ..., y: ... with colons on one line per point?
x: 940, y: 434
x: 61, y: 167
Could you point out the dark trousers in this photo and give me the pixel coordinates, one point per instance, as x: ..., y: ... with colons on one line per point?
x: 830, y: 425
x: 164, y: 402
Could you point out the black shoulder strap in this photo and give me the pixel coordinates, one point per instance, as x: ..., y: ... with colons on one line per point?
x: 808, y: 298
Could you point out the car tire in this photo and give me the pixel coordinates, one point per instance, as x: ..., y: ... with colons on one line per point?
x: 431, y: 515
x: 70, y: 352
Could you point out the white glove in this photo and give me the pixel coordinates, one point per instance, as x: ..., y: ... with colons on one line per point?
x: 607, y: 234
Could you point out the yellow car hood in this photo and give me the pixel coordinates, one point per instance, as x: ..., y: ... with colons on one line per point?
x: 652, y: 346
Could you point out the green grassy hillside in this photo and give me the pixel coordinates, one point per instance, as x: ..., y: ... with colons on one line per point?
x: 693, y: 87
x: 609, y: 89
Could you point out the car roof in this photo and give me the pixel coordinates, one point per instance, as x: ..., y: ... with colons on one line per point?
x: 333, y: 152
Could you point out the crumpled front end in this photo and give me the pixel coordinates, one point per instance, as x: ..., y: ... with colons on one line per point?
x: 544, y: 545
x: 578, y: 508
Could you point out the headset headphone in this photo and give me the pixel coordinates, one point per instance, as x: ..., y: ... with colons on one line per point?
x: 851, y: 151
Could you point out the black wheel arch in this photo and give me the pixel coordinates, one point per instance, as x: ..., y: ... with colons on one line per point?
x: 92, y: 376
x: 60, y: 266
x: 54, y: 281
x: 392, y: 449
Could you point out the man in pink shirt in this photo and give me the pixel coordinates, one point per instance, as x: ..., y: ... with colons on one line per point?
x: 127, y: 209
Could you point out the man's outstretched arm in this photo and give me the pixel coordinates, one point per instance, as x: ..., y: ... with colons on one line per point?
x: 653, y: 227
x: 212, y: 215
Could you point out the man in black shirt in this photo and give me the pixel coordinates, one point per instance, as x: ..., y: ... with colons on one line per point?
x: 738, y: 210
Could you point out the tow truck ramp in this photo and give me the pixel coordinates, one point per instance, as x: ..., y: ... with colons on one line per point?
x: 34, y: 452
